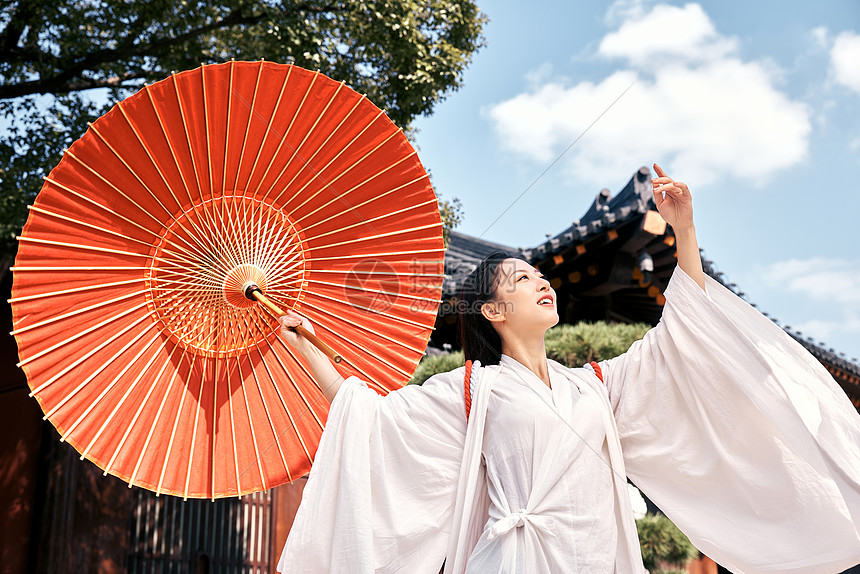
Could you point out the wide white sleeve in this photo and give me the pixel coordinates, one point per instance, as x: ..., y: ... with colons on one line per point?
x: 739, y: 435
x: 381, y: 492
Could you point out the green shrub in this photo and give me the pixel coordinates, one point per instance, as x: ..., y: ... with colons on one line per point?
x: 433, y: 364
x: 662, y: 542
x: 576, y: 345
x: 571, y: 345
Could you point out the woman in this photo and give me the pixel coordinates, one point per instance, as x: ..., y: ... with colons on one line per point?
x: 736, y: 432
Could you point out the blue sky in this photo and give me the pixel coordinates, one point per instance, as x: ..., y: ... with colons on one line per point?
x: 753, y: 104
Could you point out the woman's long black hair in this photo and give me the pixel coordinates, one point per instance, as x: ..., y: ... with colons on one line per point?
x: 479, y: 339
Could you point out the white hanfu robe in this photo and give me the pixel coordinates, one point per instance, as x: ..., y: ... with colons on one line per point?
x: 725, y: 422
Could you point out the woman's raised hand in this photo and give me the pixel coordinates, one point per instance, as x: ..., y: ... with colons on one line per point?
x: 673, y: 200
x: 677, y: 209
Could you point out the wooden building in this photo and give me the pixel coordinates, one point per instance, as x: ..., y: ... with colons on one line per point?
x: 62, y: 515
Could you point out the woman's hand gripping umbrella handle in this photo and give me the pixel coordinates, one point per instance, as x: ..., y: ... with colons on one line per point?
x: 253, y: 292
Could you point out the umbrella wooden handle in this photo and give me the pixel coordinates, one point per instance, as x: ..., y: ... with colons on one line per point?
x: 254, y: 292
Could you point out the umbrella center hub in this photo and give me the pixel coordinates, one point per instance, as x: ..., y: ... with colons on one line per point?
x: 206, y: 254
x: 237, y: 280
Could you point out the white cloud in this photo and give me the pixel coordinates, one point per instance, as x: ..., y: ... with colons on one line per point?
x: 823, y: 330
x: 845, y: 60
x: 696, y: 108
x: 692, y: 38
x: 820, y: 36
x: 834, y: 282
x: 829, y: 280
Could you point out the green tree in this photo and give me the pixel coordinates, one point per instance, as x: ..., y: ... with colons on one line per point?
x: 406, y: 55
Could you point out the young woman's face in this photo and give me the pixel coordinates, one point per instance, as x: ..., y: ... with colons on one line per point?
x: 524, y: 298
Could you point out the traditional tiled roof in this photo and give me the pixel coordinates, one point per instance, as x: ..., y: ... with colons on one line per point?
x: 605, y: 213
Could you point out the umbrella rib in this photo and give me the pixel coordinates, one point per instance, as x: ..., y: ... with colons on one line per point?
x: 195, y: 306
x: 271, y: 239
x: 385, y: 254
x: 321, y: 146
x: 366, y: 329
x: 112, y: 212
x: 81, y: 334
x: 176, y: 420
x: 111, y: 185
x: 75, y: 290
x: 329, y: 184
x: 87, y: 225
x: 187, y: 279
x: 232, y: 433
x: 264, y: 228
x: 375, y: 197
x: 206, y: 130
x: 224, y: 234
x: 185, y: 186
x: 122, y: 400
x: 140, y: 180
x: 282, y: 250
x: 157, y: 169
x: 187, y: 141
x: 215, y: 423
x: 253, y: 431
x: 265, y: 404
x: 77, y: 312
x: 193, y: 432
x: 251, y: 109
x: 86, y: 247
x: 285, y: 273
x: 269, y: 129
x: 237, y: 224
x: 141, y: 408
x: 379, y: 291
x: 212, y: 228
x: 357, y: 306
x: 77, y: 268
x: 377, y: 218
x: 289, y: 127
x: 86, y: 381
x: 294, y: 383
x: 341, y: 152
x: 305, y: 162
x: 394, y: 273
x: 378, y: 236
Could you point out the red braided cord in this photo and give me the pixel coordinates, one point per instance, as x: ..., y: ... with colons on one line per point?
x: 467, y: 392
x: 597, y: 370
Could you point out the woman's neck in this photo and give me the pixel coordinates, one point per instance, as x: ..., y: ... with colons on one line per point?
x: 529, y: 353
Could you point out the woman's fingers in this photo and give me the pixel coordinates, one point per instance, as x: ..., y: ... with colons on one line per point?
x: 291, y: 320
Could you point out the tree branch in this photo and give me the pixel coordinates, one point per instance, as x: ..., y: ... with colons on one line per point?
x: 64, y: 81
x: 19, y: 21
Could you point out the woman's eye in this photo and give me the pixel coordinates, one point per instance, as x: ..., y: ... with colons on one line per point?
x: 521, y: 277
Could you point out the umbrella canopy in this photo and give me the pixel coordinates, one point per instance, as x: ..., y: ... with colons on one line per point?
x: 128, y: 304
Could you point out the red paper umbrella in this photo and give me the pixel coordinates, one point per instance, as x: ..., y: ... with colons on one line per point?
x: 129, y: 300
